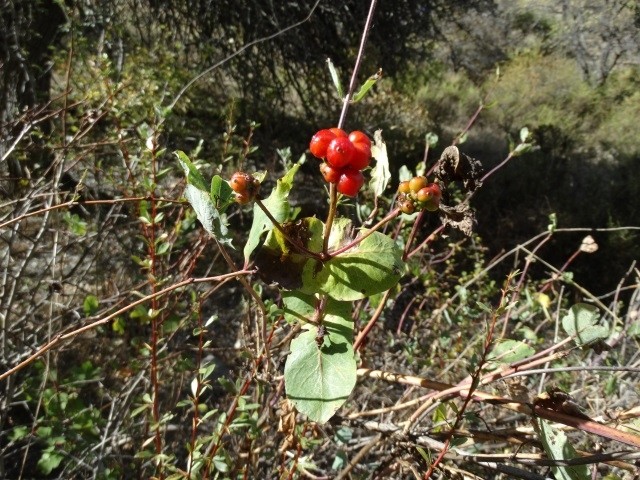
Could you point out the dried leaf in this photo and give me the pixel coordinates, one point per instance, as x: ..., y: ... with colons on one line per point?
x: 588, y: 245
x: 460, y: 216
x: 456, y: 167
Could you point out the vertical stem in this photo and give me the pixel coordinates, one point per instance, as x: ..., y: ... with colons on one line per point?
x: 333, y: 194
x: 156, y: 319
x: 356, y: 67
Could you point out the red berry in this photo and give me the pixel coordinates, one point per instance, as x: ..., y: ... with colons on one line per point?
x: 242, y: 199
x: 416, y: 183
x: 320, y: 141
x: 404, y: 187
x: 245, y: 186
x: 240, y: 181
x: 340, y: 152
x: 330, y: 174
x: 361, y: 155
x: 350, y: 182
x: 437, y: 191
x: 429, y: 197
x: 430, y: 192
x: 359, y: 137
x: 338, y: 132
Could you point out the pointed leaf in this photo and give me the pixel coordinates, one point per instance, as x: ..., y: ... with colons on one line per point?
x: 194, y: 177
x: 367, y: 85
x: 278, y: 206
x: 335, y: 78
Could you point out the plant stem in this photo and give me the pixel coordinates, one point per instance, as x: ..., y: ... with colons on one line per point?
x: 333, y: 194
x: 333, y: 203
x: 393, y: 214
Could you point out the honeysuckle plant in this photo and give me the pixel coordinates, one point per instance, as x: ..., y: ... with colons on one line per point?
x: 322, y: 267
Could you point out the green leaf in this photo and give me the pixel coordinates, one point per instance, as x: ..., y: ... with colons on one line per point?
x: 335, y: 78
x: 509, y: 351
x: 18, y: 433
x: 301, y: 307
x: 90, y: 305
x: 278, y: 206
x: 49, y: 461
x: 319, y: 379
x: 367, y: 85
x: 380, y: 175
x: 634, y: 329
x: 221, y: 193
x: 373, y: 266
x: 581, y: 322
x: 194, y: 177
x: 212, y: 221
x: 557, y: 447
x: 431, y: 139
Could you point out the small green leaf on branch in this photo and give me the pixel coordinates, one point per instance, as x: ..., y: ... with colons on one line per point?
x: 367, y: 85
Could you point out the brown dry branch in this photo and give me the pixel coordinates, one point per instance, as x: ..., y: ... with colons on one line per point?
x: 62, y: 337
x: 446, y: 391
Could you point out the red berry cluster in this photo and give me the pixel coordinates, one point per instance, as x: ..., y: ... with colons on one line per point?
x: 418, y: 194
x: 344, y: 157
x: 245, y: 185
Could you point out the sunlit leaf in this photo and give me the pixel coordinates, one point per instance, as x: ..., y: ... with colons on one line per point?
x: 367, y: 85
x: 373, y: 266
x: 194, y: 177
x: 335, y: 78
x: 380, y: 174
x: 509, y: 351
x: 278, y: 206
x: 557, y: 446
x: 320, y: 372
x: 581, y: 322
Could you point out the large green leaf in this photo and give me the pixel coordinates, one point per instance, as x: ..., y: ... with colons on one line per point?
x: 581, y: 322
x: 557, y: 446
x: 373, y: 266
x: 278, y: 206
x: 320, y: 372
